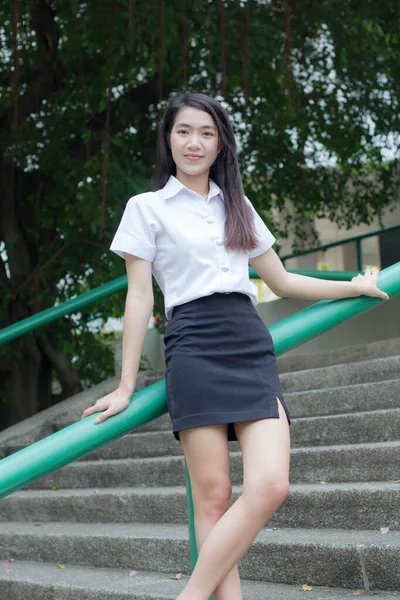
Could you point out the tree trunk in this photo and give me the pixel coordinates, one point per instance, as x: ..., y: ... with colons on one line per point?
x: 26, y: 363
x: 69, y: 379
x: 22, y: 382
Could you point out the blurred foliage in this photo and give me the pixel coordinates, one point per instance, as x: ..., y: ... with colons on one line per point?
x: 312, y: 89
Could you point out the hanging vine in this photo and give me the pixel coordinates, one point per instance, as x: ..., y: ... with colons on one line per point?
x: 132, y: 17
x: 184, y: 37
x: 15, y: 74
x: 160, y: 49
x: 81, y: 69
x: 245, y: 49
x: 222, y: 26
x: 288, y: 64
x: 209, y: 52
x: 106, y: 138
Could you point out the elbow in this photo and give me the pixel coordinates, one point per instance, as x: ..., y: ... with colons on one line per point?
x: 280, y: 288
x: 277, y: 291
x: 146, y: 298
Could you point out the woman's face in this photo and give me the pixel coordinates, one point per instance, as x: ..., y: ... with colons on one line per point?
x: 194, y: 141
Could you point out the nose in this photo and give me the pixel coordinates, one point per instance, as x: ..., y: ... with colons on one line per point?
x: 194, y: 141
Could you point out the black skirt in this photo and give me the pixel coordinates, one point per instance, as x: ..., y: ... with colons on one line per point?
x: 220, y: 364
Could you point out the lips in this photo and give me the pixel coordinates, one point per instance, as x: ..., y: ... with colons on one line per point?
x: 193, y: 156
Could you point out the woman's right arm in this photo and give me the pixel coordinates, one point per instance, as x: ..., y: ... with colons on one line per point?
x: 138, y: 310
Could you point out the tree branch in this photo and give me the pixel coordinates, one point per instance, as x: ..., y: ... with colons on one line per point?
x: 45, y: 80
x: 69, y: 379
x: 288, y: 64
x: 223, y: 45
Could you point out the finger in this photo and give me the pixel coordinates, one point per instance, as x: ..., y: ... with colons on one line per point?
x: 377, y: 293
x: 104, y: 415
x: 383, y: 295
x: 90, y: 410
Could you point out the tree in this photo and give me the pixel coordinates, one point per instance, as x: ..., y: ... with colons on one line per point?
x: 82, y: 89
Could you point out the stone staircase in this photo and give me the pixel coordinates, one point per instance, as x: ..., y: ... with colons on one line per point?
x: 80, y: 531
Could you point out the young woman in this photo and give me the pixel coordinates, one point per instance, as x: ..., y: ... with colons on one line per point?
x: 197, y: 232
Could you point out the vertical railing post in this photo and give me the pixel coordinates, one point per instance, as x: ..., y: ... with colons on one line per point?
x: 192, y: 532
x: 359, y: 256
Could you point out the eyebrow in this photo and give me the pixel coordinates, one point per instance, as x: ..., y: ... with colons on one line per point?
x: 202, y: 127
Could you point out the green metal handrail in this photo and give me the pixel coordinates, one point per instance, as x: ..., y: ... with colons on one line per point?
x: 357, y: 239
x: 120, y: 283
x: 68, y: 307
x: 332, y: 275
x: 112, y: 287
x: 80, y: 438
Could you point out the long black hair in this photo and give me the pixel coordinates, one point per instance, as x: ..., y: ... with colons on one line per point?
x: 239, y: 233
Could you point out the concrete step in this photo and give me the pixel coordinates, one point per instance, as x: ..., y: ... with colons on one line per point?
x: 378, y: 369
x: 337, y: 400
x: 338, y: 356
x: 357, y: 462
x: 370, y: 371
x: 40, y: 424
x: 367, y: 426
x: 353, y: 428
x: 320, y: 557
x: 357, y: 397
x: 46, y: 581
x: 371, y: 426
x: 364, y: 372
x: 334, y: 506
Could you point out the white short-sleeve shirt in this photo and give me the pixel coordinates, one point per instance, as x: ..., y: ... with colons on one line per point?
x: 182, y: 235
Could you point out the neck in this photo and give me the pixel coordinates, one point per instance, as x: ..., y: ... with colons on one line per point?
x: 197, y: 183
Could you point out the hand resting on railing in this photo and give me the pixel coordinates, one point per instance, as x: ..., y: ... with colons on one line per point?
x: 111, y: 404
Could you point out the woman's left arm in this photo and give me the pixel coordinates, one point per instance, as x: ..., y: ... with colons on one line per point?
x: 290, y: 285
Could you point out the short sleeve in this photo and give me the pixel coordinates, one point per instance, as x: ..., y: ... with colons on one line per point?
x: 264, y: 236
x: 136, y: 233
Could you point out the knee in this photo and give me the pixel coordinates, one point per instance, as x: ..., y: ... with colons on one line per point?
x: 267, y: 494
x: 214, y: 499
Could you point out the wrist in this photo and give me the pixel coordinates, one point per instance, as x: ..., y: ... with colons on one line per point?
x: 127, y: 387
x: 357, y: 291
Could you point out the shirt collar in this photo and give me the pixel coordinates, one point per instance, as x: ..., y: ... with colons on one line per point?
x: 173, y: 186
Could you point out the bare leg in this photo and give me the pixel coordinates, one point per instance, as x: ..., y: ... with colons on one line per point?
x: 265, y: 446
x: 207, y: 457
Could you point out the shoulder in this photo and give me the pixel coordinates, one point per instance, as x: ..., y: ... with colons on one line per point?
x: 146, y: 199
x: 147, y: 203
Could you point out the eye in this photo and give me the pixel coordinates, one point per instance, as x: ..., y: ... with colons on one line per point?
x: 207, y: 133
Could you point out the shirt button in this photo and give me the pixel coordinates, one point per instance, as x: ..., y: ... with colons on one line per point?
x: 210, y: 219
x: 225, y: 268
x: 220, y: 242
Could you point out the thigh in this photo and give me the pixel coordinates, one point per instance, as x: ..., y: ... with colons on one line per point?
x: 265, y: 446
x: 207, y: 456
